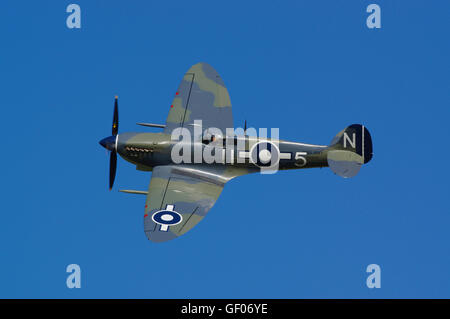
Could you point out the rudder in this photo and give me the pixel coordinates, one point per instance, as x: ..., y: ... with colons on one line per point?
x: 349, y: 149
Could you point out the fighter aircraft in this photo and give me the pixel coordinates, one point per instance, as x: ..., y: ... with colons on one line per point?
x: 185, y: 182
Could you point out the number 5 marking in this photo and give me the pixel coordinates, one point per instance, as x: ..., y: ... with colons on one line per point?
x: 300, y: 160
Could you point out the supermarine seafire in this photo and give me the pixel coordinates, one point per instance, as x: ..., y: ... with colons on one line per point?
x: 186, y: 183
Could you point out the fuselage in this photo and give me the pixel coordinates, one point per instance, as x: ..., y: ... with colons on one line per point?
x: 147, y: 150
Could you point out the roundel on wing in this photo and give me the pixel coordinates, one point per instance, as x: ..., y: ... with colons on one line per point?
x: 167, y: 217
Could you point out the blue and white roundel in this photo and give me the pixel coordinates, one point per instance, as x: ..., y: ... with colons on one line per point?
x: 166, y: 218
x: 265, y: 154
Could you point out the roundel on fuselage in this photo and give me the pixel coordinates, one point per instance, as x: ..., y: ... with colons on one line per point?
x: 265, y: 154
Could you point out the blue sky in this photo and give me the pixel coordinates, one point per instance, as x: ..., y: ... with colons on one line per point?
x: 309, y: 68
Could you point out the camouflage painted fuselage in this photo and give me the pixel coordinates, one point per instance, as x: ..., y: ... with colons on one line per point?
x: 146, y: 150
x: 189, y: 174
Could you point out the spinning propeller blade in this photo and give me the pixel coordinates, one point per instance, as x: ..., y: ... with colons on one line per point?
x: 110, y: 144
x: 115, y: 126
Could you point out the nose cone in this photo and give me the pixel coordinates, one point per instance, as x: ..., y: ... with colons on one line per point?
x: 109, y: 143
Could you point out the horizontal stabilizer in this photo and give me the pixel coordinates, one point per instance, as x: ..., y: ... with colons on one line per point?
x: 344, y: 163
x: 152, y: 125
x: 130, y: 191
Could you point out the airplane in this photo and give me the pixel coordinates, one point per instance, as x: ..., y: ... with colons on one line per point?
x: 181, y: 193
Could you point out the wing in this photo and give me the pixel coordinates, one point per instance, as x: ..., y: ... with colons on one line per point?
x: 202, y: 95
x: 180, y: 196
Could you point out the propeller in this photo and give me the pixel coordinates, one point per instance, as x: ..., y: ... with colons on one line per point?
x: 110, y: 144
x: 112, y: 168
x: 245, y: 127
x: 115, y: 126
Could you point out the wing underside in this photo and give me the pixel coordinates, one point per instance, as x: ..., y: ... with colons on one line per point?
x: 178, y: 199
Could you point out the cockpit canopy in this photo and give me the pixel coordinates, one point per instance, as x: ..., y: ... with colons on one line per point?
x: 212, y: 135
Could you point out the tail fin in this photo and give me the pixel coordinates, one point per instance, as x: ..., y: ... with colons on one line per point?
x: 349, y: 149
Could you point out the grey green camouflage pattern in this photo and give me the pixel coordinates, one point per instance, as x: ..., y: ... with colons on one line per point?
x: 180, y: 195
